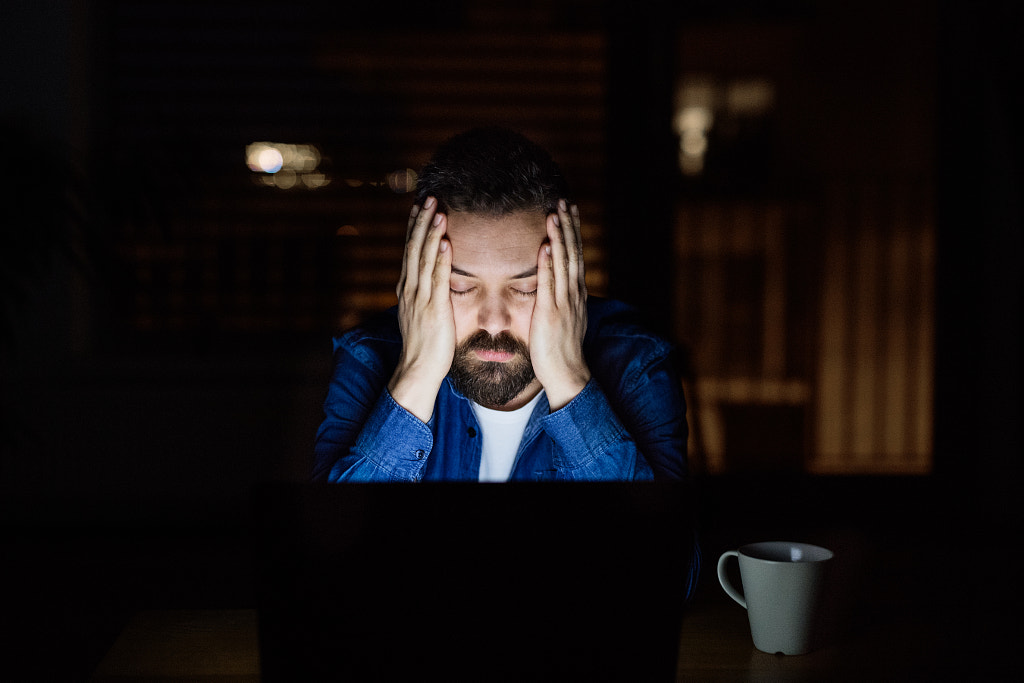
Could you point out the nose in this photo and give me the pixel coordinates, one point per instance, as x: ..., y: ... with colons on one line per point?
x: 494, y: 315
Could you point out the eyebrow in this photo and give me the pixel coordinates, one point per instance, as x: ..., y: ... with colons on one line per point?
x: 521, y: 276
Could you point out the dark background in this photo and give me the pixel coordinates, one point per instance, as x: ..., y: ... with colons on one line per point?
x: 128, y: 454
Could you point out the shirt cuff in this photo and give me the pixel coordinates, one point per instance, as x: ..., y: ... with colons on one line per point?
x: 584, y: 428
x: 395, y: 440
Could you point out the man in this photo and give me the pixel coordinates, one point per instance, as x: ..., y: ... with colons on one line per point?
x: 496, y: 366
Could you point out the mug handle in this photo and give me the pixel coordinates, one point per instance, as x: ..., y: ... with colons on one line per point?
x: 724, y: 580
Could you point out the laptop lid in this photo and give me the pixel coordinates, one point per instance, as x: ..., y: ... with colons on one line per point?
x: 466, y: 581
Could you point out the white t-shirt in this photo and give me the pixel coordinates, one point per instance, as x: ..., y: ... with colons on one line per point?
x: 501, y: 430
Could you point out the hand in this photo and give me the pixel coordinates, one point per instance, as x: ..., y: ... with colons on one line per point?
x: 425, y: 314
x: 560, y: 313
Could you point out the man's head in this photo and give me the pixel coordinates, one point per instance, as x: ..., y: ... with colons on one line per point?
x: 497, y: 190
x: 492, y: 172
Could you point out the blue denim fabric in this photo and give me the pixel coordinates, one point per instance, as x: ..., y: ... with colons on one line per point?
x: 629, y: 422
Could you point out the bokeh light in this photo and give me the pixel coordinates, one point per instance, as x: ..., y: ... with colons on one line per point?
x: 270, y: 160
x: 286, y: 166
x: 402, y: 181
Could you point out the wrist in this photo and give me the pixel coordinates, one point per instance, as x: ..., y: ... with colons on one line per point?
x: 416, y: 392
x: 560, y: 393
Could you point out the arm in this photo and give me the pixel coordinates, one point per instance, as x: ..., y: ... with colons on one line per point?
x: 629, y: 423
x: 378, y: 433
x: 646, y: 427
x: 425, y: 314
x: 366, y: 435
x: 559, y: 320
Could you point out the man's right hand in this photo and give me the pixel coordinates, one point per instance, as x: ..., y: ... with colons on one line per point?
x: 425, y: 314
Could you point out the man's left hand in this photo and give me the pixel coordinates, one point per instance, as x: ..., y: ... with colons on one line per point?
x: 560, y: 313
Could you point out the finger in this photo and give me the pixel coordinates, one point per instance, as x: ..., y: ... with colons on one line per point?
x: 414, y: 247
x: 408, y: 231
x: 571, y: 237
x: 545, y: 277
x: 412, y: 220
x: 559, y: 264
x: 578, y: 230
x: 441, y: 282
x: 429, y: 257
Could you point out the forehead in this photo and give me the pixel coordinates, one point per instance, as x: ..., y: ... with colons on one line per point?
x: 487, y: 245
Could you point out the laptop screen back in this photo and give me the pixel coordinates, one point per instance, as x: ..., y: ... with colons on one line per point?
x: 466, y: 581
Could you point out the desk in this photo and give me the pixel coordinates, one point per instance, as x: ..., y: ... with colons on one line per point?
x: 925, y: 594
x: 221, y: 646
x: 715, y: 646
x: 185, y: 645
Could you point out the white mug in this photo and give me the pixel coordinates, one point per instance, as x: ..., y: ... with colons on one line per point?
x: 782, y: 589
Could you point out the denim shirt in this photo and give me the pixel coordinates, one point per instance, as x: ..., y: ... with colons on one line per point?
x: 628, y: 423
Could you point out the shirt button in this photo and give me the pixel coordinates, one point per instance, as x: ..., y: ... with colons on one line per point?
x: 471, y: 432
x: 419, y: 455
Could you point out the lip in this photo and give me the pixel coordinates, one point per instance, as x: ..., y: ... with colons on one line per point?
x: 494, y: 356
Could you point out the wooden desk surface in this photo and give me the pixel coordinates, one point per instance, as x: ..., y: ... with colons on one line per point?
x: 185, y: 645
x: 222, y: 645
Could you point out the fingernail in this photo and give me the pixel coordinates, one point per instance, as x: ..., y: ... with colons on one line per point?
x: 437, y: 218
x: 561, y: 204
x: 444, y: 246
x: 547, y: 249
x: 429, y: 203
x: 558, y: 223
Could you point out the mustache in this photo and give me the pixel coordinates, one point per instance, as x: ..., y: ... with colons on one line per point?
x: 504, y: 342
x: 491, y: 383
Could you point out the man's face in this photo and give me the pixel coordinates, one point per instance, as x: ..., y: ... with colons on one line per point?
x: 493, y: 290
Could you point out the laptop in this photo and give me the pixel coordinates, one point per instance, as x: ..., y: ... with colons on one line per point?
x: 472, y: 582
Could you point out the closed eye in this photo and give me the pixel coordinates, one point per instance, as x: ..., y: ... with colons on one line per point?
x: 461, y: 292
x: 520, y: 292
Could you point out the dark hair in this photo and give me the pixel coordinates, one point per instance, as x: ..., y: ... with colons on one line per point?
x: 492, y: 171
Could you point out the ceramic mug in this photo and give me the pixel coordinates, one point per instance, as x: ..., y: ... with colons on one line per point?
x: 782, y: 590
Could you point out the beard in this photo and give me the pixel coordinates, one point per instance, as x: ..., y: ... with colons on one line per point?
x: 491, y: 383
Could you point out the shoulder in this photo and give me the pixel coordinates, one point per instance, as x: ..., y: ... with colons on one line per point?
x: 614, y: 323
x: 375, y: 342
x: 622, y: 350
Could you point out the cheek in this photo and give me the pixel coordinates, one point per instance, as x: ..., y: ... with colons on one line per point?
x: 465, y: 320
x: 522, y: 316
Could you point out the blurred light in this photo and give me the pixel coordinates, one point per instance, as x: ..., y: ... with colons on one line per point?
x: 697, y: 91
x: 353, y: 182
x: 694, y: 143
x: 796, y: 554
x: 691, y: 165
x: 347, y: 231
x: 301, y: 158
x: 253, y: 153
x: 694, y: 118
x: 285, y: 179
x: 402, y: 181
x: 750, y: 97
x: 692, y: 124
x: 270, y: 160
x: 699, y: 97
x: 314, y: 180
x: 286, y: 166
